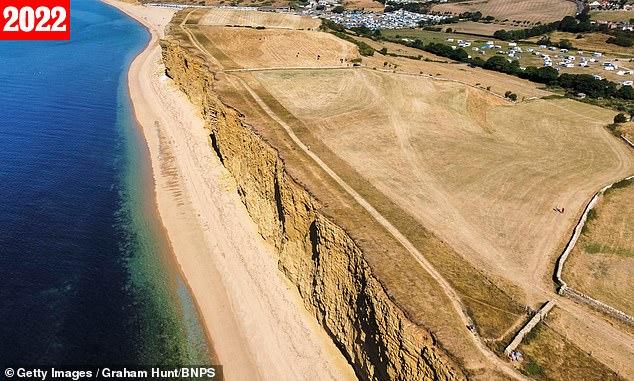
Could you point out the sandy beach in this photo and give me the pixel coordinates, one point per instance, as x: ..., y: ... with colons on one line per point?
x: 253, y: 315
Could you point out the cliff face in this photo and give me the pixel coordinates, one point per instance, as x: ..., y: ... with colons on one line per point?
x: 320, y: 259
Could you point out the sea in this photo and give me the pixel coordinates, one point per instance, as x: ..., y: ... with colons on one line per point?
x: 86, y: 272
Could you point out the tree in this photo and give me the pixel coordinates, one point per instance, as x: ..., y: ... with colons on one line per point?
x: 621, y: 40
x: 501, y: 34
x: 568, y: 24
x: 501, y: 64
x: 626, y: 92
x: 587, y: 84
x: 475, y: 16
x: 545, y: 74
x: 584, y: 15
x: 338, y: 9
x: 620, y: 118
x: 544, y: 41
x: 565, y: 44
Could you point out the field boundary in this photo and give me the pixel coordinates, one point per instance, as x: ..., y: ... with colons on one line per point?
x: 539, y: 316
x: 583, y: 298
x: 570, y: 292
x: 628, y: 141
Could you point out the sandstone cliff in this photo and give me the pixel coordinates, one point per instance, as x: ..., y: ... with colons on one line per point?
x: 319, y: 257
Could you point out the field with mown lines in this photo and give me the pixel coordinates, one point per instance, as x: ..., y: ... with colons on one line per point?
x: 522, y: 10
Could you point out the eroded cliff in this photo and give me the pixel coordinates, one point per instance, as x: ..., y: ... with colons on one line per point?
x: 318, y: 256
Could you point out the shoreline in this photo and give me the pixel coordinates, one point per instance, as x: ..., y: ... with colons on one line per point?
x: 255, y: 322
x: 213, y: 357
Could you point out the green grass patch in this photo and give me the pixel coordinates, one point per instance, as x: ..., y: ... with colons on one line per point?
x: 532, y: 368
x: 593, y: 247
x: 619, y: 185
x: 592, y: 215
x: 596, y: 248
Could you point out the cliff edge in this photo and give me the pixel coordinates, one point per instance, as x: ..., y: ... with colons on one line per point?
x: 316, y: 255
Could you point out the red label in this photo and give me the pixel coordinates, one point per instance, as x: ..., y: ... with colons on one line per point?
x: 35, y: 20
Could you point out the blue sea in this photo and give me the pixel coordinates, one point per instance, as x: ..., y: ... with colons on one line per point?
x: 86, y: 272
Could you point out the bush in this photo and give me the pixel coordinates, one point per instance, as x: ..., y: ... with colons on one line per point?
x: 621, y: 40
x: 587, y: 84
x: 545, y: 74
x: 501, y: 64
x: 620, y: 118
x: 328, y: 24
x: 442, y: 50
x: 565, y: 44
x: 338, y: 9
x: 544, y: 41
x: 626, y: 92
x: 532, y: 368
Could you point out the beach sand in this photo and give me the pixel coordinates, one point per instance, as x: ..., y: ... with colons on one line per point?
x: 254, y: 316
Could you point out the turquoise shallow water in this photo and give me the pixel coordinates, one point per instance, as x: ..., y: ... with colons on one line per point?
x: 86, y: 275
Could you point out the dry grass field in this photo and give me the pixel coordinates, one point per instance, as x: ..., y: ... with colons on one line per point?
x: 467, y: 177
x: 367, y: 5
x: 627, y: 129
x: 524, y: 10
x: 602, y: 263
x: 612, y: 15
x: 252, y: 48
x: 480, y: 173
x: 234, y: 17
